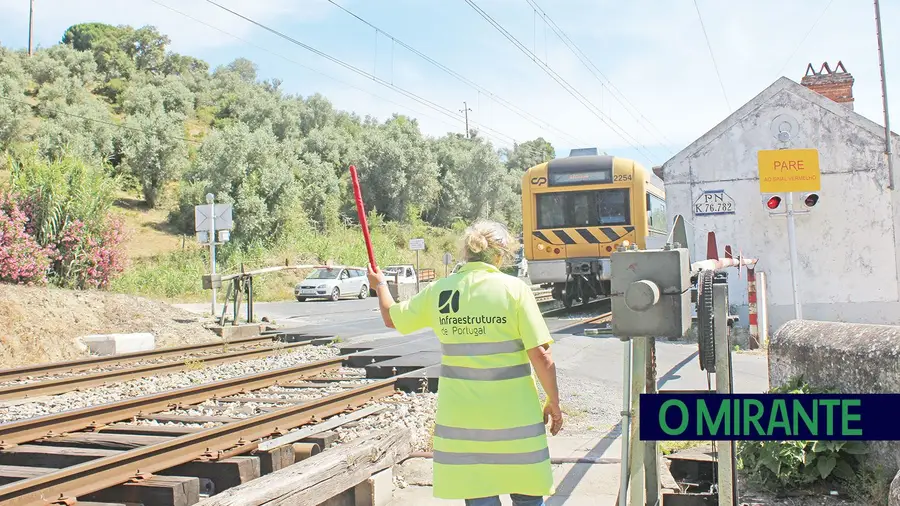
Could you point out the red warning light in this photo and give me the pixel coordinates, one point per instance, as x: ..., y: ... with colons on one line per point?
x: 556, y: 250
x: 811, y: 200
x: 773, y: 202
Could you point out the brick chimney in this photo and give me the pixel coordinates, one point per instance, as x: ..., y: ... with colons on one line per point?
x: 836, y: 85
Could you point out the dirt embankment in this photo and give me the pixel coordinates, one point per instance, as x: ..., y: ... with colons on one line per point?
x: 39, y: 325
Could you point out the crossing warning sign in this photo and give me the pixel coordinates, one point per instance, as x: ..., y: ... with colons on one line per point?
x: 789, y: 170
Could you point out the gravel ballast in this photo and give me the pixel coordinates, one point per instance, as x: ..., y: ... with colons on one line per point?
x: 18, y: 410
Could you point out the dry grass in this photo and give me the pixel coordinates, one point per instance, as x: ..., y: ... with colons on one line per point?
x: 149, y: 233
x: 41, y: 324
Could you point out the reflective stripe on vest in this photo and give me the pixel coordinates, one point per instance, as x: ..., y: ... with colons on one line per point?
x: 446, y: 432
x: 477, y: 349
x: 450, y: 458
x: 490, y: 374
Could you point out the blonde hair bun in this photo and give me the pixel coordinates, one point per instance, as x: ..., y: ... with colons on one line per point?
x: 486, y: 241
x: 476, y: 241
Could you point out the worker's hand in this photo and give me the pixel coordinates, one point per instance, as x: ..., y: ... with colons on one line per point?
x: 553, y: 414
x: 375, y: 275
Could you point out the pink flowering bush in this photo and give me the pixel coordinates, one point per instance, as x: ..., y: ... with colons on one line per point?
x: 22, y: 259
x: 88, y: 260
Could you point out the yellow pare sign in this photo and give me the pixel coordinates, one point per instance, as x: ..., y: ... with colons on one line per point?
x: 789, y: 170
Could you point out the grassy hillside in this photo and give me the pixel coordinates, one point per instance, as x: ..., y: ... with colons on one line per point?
x: 166, y: 265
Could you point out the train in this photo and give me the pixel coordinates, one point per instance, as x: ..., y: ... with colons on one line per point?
x: 577, y: 210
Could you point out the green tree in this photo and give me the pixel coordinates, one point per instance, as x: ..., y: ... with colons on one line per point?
x: 154, y: 150
x: 254, y: 172
x: 474, y: 184
x: 397, y: 167
x: 13, y: 109
x: 528, y: 154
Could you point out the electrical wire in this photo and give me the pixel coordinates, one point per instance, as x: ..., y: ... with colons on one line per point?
x: 110, y: 123
x: 713, y: 56
x: 808, y: 32
x: 352, y: 68
x: 565, y: 84
x: 310, y: 69
x: 598, y: 74
x: 508, y: 105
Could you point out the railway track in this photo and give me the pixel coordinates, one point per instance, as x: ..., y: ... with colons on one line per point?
x: 83, y: 379
x: 92, y: 453
x: 78, y: 453
x: 71, y: 366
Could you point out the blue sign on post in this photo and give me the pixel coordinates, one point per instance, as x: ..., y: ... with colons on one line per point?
x: 713, y: 202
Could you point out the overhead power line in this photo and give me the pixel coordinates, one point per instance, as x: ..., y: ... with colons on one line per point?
x: 713, y: 56
x: 357, y: 70
x: 800, y: 44
x: 505, y: 103
x: 565, y: 84
x: 103, y: 122
x: 306, y: 67
x: 598, y: 74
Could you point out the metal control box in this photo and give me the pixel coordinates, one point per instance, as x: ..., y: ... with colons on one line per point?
x: 211, y: 281
x: 651, y: 293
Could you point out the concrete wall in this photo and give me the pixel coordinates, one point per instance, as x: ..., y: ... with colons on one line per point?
x: 847, y: 245
x: 850, y: 358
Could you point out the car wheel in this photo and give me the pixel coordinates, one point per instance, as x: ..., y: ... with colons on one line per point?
x: 301, y: 299
x: 364, y: 292
x: 335, y: 294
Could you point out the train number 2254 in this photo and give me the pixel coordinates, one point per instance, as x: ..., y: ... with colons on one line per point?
x: 622, y: 177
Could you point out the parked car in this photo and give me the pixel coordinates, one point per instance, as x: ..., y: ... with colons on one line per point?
x: 333, y: 283
x: 407, y: 274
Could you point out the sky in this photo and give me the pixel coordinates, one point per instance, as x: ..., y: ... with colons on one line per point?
x: 643, y: 86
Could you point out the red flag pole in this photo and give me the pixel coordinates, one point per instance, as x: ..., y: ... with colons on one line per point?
x: 361, y: 210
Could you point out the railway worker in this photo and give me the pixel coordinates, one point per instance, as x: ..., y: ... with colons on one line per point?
x: 490, y: 432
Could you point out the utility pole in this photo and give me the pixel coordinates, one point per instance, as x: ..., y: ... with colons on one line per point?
x: 887, y: 120
x: 211, y: 200
x: 465, y: 110
x: 30, y: 27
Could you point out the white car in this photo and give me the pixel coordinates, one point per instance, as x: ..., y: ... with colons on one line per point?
x: 333, y: 283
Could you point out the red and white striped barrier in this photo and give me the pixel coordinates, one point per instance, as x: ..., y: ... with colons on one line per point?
x: 751, y: 303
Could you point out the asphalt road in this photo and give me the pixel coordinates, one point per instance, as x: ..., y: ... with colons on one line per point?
x: 587, y: 358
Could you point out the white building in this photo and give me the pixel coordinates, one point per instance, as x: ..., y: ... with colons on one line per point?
x: 848, y: 244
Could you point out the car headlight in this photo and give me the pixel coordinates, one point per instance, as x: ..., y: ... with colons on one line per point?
x: 321, y: 287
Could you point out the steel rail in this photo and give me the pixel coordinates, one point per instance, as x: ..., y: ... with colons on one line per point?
x: 95, y: 417
x: 61, y: 385
x: 106, y: 472
x: 88, y: 363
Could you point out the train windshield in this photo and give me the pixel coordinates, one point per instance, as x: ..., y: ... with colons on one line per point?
x: 583, y: 209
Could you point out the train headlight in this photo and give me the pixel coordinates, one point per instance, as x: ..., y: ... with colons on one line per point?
x: 541, y: 247
x: 626, y: 243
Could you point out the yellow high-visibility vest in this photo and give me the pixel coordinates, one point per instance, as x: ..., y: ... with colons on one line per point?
x: 489, y: 434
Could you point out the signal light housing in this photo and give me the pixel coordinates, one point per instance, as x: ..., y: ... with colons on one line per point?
x: 811, y: 199
x: 773, y: 202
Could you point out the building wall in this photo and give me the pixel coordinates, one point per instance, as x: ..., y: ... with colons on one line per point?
x: 847, y: 246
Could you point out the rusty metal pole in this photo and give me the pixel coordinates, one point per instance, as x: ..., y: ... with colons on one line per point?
x: 888, y: 149
x: 31, y: 28
x: 651, y: 448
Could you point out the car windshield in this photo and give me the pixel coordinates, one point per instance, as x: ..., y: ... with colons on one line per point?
x: 393, y: 270
x: 324, y: 274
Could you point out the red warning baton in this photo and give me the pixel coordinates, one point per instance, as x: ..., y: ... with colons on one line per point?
x: 362, y: 215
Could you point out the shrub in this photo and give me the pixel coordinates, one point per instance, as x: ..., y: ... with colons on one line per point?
x: 22, y: 259
x: 787, y: 465
x: 88, y: 260
x: 62, y: 209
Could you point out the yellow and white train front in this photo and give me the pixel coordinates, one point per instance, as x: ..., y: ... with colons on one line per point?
x: 577, y: 211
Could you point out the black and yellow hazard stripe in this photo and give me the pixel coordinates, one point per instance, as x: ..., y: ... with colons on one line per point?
x: 593, y: 235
